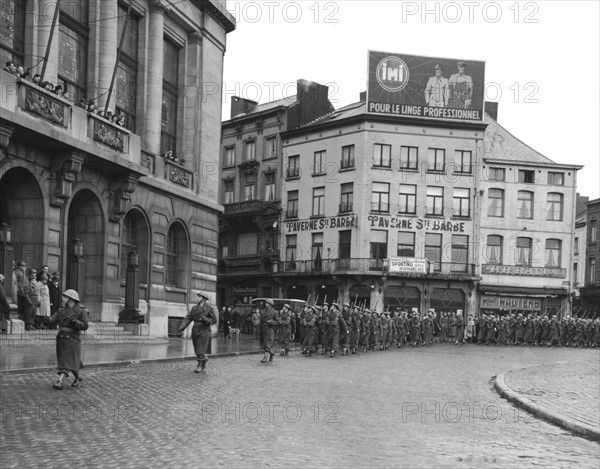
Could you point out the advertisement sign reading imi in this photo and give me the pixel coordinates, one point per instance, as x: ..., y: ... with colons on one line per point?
x: 425, y: 87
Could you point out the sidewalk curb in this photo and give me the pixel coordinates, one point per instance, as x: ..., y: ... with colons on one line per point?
x: 132, y: 362
x: 557, y: 419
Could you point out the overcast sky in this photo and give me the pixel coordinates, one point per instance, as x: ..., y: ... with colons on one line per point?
x: 542, y: 59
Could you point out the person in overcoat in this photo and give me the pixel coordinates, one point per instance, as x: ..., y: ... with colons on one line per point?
x: 203, y: 316
x: 71, y: 320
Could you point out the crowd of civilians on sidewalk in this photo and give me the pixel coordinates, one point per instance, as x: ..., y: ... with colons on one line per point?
x: 36, y: 293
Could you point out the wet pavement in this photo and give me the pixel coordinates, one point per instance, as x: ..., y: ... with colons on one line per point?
x: 419, y: 407
x: 42, y: 355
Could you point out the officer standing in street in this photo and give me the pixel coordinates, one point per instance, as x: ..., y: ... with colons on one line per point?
x: 269, y: 320
x: 203, y: 316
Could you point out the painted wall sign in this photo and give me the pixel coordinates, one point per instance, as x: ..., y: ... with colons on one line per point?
x: 511, y: 302
x: 527, y: 271
x: 428, y: 224
x: 319, y: 224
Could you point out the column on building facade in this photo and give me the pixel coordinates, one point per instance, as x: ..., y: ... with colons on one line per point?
x: 107, y: 46
x: 154, y: 78
x: 45, y: 15
x: 193, y: 102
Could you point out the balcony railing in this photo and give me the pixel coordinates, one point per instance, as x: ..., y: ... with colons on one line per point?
x: 244, y: 207
x: 365, y: 265
x: 59, y: 118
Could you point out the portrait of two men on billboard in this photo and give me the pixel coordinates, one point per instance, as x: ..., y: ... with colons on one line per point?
x: 454, y: 92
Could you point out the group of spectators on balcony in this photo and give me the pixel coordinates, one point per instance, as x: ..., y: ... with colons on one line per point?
x: 90, y: 106
x: 25, y: 74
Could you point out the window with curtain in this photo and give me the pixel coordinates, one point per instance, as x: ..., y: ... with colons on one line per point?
x: 317, y: 251
x: 494, y: 250
x: 496, y: 203
x: 382, y: 155
x: 409, y: 157
x: 525, y: 204
x: 554, y: 207
x: 436, y: 159
x: 523, y: 252
x: 553, y: 253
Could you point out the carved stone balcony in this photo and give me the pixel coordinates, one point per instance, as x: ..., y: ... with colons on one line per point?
x: 178, y: 175
x: 246, y: 207
x: 105, y: 132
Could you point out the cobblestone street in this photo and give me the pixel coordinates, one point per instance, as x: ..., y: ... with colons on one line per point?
x: 424, y: 407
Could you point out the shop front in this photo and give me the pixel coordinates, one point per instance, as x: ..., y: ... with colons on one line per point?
x: 531, y: 301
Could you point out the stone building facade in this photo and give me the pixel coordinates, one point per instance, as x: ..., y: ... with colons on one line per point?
x: 79, y: 192
x: 382, y: 211
x: 251, y: 188
x: 427, y: 215
x: 590, y: 292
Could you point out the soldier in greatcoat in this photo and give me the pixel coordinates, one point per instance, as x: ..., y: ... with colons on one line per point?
x: 285, y: 329
x: 203, y: 316
x: 269, y: 320
x: 71, y: 319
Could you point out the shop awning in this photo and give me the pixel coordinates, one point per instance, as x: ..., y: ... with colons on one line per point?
x: 518, y: 291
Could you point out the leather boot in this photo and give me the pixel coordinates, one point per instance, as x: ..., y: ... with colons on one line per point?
x: 198, y: 367
x: 265, y: 358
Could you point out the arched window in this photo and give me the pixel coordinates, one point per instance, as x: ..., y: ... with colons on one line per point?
x: 175, y: 259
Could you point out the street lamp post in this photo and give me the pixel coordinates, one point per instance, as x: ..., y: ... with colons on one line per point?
x: 6, y: 257
x: 77, y: 273
x: 131, y: 313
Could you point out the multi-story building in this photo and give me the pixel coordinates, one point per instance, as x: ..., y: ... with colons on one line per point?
x: 579, y: 251
x: 590, y: 292
x: 80, y: 192
x: 527, y: 223
x: 383, y: 211
x: 251, y: 185
x: 452, y: 216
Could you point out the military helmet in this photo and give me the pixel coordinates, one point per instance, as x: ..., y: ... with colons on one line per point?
x: 72, y: 294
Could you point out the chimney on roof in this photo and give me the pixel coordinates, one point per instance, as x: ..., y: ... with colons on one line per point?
x: 491, y: 108
x: 580, y: 202
x: 362, y: 96
x: 241, y: 105
x: 313, y: 102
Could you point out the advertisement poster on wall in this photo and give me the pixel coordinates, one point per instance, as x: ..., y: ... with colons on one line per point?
x: 425, y: 87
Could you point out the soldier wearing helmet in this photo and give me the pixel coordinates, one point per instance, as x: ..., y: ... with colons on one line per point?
x: 71, y: 319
